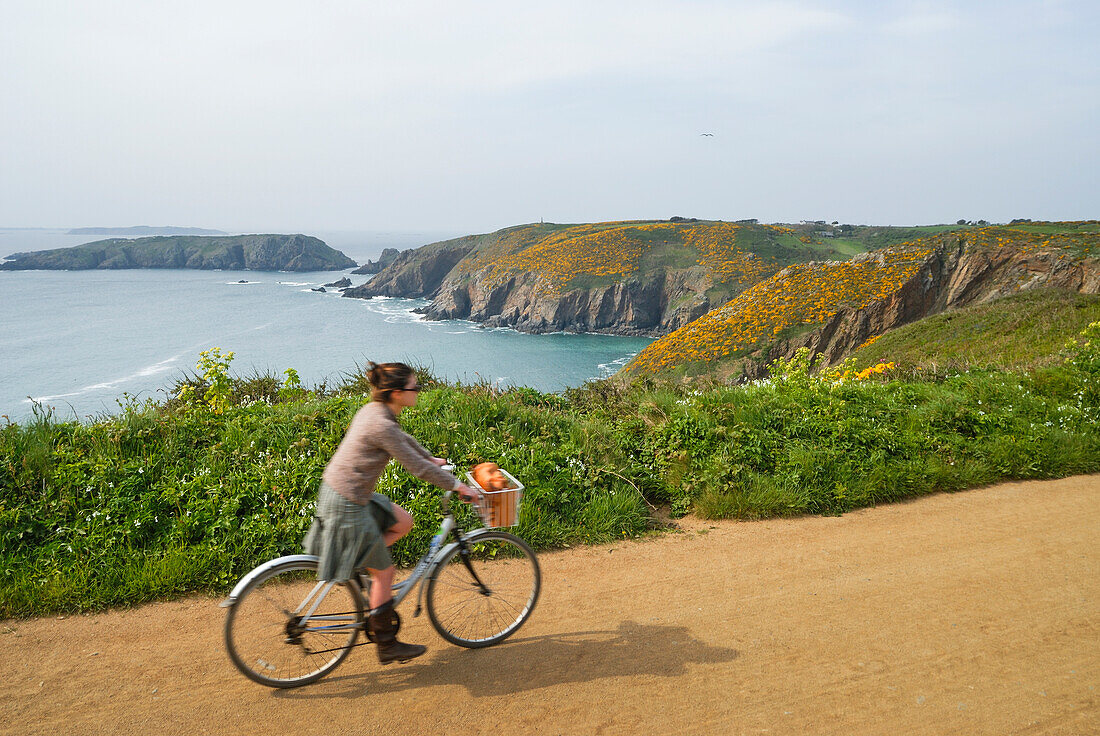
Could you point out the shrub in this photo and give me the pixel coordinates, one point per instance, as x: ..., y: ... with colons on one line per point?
x: 164, y: 499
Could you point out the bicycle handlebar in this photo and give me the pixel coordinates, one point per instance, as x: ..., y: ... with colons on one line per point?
x: 450, y: 468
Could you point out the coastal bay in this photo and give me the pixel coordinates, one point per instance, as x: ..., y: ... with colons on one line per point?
x: 78, y: 341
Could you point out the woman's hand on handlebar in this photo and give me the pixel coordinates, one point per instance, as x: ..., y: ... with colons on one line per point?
x: 467, y: 494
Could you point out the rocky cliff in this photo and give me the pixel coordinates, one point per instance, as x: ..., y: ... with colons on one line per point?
x: 957, y: 274
x: 652, y: 303
x: 234, y: 252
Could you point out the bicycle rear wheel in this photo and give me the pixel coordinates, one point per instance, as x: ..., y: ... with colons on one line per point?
x: 482, y: 596
x: 266, y: 639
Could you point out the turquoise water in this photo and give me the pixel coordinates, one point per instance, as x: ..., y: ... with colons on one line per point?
x: 77, y: 341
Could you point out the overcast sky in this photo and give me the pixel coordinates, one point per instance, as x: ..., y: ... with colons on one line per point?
x: 470, y: 116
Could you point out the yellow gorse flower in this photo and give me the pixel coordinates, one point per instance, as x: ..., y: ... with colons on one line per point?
x: 613, y: 250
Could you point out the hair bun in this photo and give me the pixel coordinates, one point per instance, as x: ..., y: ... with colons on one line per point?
x: 385, y: 378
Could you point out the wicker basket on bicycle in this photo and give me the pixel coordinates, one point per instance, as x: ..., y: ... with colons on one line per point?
x: 501, y: 494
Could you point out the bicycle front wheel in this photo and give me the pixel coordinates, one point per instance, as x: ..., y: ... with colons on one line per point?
x: 265, y: 634
x: 481, y: 594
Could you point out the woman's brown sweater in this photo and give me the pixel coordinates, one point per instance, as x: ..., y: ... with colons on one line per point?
x: 372, y: 439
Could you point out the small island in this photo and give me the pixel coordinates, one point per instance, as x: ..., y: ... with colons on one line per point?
x: 231, y: 252
x: 139, y: 231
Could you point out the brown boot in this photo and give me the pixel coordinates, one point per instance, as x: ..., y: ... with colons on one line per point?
x: 383, y: 628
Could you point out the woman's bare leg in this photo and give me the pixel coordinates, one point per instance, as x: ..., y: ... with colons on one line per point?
x: 381, y: 586
x: 401, y: 528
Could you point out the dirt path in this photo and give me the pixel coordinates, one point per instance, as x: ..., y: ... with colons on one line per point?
x: 969, y: 613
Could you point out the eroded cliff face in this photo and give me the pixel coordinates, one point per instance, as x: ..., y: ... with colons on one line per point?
x: 652, y: 304
x: 955, y: 275
x: 646, y: 305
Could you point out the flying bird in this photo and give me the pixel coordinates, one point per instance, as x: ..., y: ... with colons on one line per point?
x: 708, y: 134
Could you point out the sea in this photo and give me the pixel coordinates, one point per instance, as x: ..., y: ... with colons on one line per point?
x: 81, y: 344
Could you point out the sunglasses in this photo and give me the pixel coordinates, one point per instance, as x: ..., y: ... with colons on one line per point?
x: 414, y: 389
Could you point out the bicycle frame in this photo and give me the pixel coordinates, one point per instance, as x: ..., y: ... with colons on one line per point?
x: 426, y: 563
x: 312, y: 600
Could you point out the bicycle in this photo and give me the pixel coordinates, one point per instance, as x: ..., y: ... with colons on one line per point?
x: 285, y: 628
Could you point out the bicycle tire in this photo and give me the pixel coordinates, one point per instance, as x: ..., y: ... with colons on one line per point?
x: 465, y: 614
x: 260, y: 633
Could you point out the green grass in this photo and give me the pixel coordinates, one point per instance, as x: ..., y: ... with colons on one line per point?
x: 1022, y: 331
x: 873, y: 238
x: 846, y: 247
x: 162, y: 500
x: 664, y: 254
x: 1054, y: 228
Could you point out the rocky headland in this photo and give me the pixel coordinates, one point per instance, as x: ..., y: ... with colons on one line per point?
x: 138, y: 231
x: 833, y: 307
x: 232, y: 252
x: 644, y: 278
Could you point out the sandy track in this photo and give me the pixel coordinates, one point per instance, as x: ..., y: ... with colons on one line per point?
x: 969, y: 613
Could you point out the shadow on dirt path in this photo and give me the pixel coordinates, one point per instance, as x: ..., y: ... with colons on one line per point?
x: 580, y: 657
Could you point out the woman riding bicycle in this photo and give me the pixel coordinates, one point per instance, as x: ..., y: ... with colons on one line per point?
x: 354, y: 525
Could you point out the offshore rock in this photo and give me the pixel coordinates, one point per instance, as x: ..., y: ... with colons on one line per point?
x: 389, y: 255
x: 416, y: 273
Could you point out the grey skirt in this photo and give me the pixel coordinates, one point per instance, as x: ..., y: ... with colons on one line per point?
x: 348, y: 536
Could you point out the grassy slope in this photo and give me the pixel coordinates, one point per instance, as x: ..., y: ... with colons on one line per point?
x: 163, y: 500
x: 1049, y: 228
x: 1021, y: 331
x: 873, y: 238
